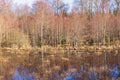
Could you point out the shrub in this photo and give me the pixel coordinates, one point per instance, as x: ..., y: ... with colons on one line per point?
x: 16, y: 39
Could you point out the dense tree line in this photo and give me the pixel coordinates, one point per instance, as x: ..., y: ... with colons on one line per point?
x: 51, y: 23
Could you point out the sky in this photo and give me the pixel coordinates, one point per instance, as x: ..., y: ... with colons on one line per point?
x: 30, y: 2
x: 69, y: 2
x: 22, y: 2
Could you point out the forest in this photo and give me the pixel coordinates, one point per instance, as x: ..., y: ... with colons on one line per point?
x: 54, y: 40
x: 51, y: 23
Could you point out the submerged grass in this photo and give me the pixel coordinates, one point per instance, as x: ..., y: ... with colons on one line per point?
x: 57, y: 59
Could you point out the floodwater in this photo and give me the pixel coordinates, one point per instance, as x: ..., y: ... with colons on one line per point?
x: 60, y: 66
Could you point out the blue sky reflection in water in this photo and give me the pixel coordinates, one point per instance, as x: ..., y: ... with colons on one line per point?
x: 23, y: 73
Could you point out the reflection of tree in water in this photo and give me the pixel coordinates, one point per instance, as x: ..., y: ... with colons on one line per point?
x: 83, y: 66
